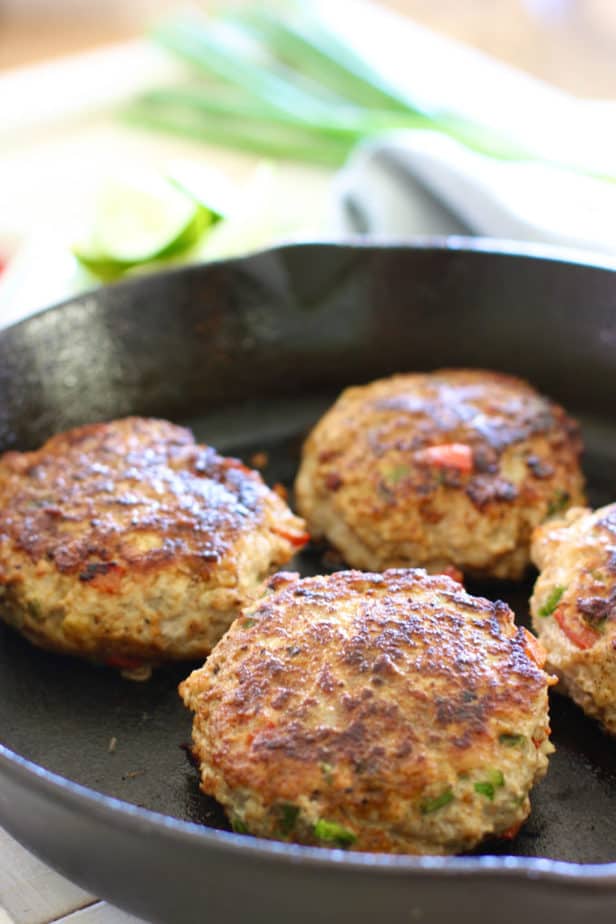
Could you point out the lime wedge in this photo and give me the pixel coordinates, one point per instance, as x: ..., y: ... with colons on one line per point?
x: 141, y: 220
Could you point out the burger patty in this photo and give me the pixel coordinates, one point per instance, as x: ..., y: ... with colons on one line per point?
x: 574, y: 606
x: 381, y: 712
x: 446, y: 469
x: 126, y: 542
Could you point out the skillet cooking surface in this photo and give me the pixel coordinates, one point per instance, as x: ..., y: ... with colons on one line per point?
x: 63, y: 714
x: 249, y: 353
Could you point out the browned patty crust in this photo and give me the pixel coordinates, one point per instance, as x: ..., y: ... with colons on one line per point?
x: 450, y: 468
x: 127, y: 540
x: 383, y: 712
x: 574, y: 606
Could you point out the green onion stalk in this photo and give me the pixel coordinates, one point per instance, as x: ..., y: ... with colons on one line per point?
x: 283, y: 84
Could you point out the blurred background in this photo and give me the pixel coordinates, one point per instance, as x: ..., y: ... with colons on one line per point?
x: 287, y: 119
x: 570, y: 43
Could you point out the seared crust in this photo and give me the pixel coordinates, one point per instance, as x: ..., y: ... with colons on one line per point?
x: 127, y: 539
x: 374, y: 703
x: 371, y: 484
x: 574, y: 606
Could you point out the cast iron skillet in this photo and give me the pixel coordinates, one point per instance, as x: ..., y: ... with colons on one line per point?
x: 249, y: 352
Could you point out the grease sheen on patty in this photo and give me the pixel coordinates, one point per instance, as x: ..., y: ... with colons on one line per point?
x: 382, y: 712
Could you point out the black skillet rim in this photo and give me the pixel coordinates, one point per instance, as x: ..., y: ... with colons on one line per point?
x: 125, y: 815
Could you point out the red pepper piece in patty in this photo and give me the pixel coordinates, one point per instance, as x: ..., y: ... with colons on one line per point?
x: 576, y: 629
x: 448, y: 455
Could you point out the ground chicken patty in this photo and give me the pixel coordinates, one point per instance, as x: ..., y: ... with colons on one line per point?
x: 127, y: 541
x: 574, y: 606
x: 381, y: 712
x: 450, y: 468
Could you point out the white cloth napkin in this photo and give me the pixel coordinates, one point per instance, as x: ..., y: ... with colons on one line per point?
x: 423, y: 182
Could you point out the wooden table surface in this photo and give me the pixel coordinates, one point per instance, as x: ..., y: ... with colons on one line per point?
x: 568, y: 43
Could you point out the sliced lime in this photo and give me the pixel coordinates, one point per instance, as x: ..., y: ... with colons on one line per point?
x: 205, y: 184
x: 141, y: 220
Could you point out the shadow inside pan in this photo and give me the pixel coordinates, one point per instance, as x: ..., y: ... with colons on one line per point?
x: 130, y: 740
